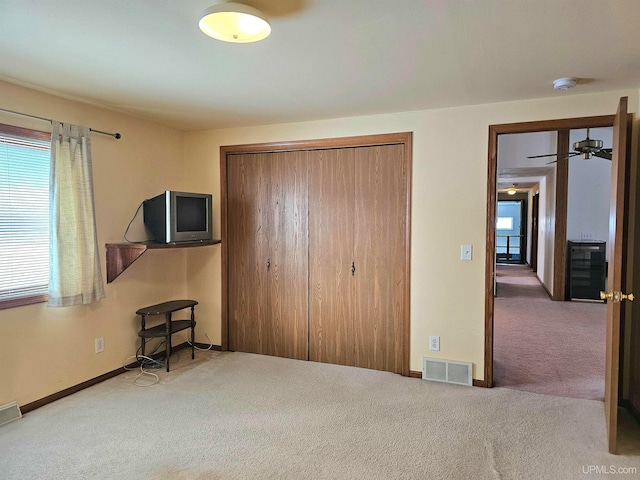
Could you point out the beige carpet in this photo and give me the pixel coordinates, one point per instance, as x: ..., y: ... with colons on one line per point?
x: 242, y: 416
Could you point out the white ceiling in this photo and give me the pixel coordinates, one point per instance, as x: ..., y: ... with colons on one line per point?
x: 515, y: 168
x: 324, y: 58
x: 513, y: 165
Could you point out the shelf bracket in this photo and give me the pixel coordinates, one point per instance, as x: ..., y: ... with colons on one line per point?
x: 120, y: 257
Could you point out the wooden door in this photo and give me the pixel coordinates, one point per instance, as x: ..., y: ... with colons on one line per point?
x: 378, y: 254
x: 288, y: 273
x: 267, y: 252
x: 618, y: 227
x: 634, y: 365
x: 331, y: 227
x: 535, y: 209
x: 357, y: 230
x: 248, y: 200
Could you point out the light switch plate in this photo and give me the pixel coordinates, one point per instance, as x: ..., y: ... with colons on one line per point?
x: 465, y: 252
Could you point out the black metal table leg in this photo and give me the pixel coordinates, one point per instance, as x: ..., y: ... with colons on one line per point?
x: 168, y: 337
x: 143, y: 340
x: 193, y: 334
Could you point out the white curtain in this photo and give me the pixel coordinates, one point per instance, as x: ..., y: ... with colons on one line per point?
x: 74, y: 273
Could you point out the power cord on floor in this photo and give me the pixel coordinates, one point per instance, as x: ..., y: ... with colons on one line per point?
x: 195, y: 346
x: 142, y: 371
x: 150, y: 362
x: 145, y: 361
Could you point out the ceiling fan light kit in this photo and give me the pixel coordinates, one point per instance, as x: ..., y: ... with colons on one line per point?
x: 564, y: 83
x: 234, y: 22
x: 588, y: 146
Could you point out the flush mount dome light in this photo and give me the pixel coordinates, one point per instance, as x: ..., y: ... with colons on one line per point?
x: 564, y: 83
x: 512, y: 189
x: 234, y: 22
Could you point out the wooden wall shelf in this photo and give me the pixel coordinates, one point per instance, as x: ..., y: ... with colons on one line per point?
x: 121, y: 255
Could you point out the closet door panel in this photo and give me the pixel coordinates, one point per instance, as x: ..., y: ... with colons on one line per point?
x: 248, y: 246
x: 379, y: 256
x: 331, y: 219
x: 287, y: 335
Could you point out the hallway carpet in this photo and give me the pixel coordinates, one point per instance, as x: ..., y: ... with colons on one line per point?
x: 542, y: 346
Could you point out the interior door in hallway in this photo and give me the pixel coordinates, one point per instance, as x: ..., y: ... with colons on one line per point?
x: 535, y: 213
x: 268, y: 247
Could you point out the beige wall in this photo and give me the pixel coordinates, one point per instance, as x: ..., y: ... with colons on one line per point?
x: 449, y: 208
x: 547, y: 230
x: 45, y: 350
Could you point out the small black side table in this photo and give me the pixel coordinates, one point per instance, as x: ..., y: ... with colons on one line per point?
x: 170, y: 326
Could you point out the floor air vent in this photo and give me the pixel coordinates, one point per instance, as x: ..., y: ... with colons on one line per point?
x: 448, y: 371
x: 9, y: 413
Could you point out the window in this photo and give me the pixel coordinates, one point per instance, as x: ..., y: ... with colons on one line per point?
x: 504, y: 223
x: 24, y: 215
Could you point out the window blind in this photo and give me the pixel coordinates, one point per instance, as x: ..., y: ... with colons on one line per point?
x: 24, y: 213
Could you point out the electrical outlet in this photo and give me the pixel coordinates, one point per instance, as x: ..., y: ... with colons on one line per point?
x: 434, y: 343
x: 99, y: 344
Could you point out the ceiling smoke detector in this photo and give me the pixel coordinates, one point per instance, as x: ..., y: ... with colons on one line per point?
x: 564, y: 83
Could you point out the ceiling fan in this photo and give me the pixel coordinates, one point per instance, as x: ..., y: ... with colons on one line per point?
x: 587, y: 148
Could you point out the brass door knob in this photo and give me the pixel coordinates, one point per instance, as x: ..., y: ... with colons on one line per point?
x: 616, y: 297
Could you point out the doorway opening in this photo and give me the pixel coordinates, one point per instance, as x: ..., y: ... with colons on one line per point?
x: 619, y: 329
x: 511, y: 230
x: 541, y: 345
x: 549, y: 197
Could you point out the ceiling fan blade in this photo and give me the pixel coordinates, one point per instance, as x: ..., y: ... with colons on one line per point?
x: 602, y: 154
x: 565, y: 158
x: 547, y: 155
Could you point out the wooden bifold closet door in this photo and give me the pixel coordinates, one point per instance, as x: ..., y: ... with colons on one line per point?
x: 317, y: 263
x: 356, y: 251
x: 332, y: 336
x: 268, y: 249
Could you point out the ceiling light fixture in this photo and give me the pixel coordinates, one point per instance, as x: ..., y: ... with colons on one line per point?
x: 512, y: 189
x: 564, y: 83
x: 234, y: 22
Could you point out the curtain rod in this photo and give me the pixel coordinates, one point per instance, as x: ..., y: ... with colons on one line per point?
x: 116, y: 135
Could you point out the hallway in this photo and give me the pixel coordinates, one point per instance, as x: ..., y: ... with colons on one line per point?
x: 542, y: 346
